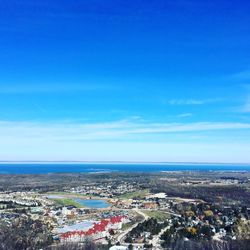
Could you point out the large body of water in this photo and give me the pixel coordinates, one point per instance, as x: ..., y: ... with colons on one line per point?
x: 41, y: 168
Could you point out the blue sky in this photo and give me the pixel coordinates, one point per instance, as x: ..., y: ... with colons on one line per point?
x: 125, y: 80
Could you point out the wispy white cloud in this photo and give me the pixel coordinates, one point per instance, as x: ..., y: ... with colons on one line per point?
x: 184, y: 102
x: 243, y: 75
x: 105, y: 131
x: 128, y: 140
x: 52, y: 88
x: 246, y: 106
x: 185, y: 115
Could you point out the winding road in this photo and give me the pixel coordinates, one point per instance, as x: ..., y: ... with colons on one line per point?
x: 120, y: 237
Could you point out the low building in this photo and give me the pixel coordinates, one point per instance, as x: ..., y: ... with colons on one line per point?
x: 98, y: 231
x: 150, y: 205
x: 118, y: 248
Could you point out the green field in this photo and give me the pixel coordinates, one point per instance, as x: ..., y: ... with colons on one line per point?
x: 159, y: 215
x: 136, y: 194
x: 69, y: 194
x: 67, y: 202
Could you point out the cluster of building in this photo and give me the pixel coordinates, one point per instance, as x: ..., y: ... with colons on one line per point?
x: 204, y: 220
x: 28, y: 199
x: 205, y: 182
x: 106, y: 190
x: 155, y: 201
x: 187, y: 217
x: 100, y: 230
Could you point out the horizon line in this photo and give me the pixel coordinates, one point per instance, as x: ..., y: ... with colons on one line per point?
x: 123, y: 162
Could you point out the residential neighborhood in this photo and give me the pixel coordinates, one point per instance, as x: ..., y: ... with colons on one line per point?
x: 127, y: 214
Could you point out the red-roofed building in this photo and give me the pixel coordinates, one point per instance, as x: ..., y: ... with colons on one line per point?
x: 98, y: 231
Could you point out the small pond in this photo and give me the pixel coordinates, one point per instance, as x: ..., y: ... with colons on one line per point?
x: 93, y: 203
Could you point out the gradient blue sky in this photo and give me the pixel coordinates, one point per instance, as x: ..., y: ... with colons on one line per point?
x: 126, y: 80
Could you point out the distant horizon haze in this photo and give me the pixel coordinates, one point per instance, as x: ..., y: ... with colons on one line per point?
x: 122, y: 162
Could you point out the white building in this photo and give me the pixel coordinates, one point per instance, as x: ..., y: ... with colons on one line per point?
x: 118, y: 248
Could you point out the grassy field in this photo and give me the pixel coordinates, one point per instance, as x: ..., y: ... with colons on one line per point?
x: 159, y: 215
x: 67, y: 202
x: 136, y: 194
x: 69, y: 194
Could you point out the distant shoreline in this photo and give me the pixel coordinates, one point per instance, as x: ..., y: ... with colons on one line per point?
x: 94, y: 168
x: 124, y: 162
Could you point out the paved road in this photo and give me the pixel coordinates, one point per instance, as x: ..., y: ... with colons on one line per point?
x: 121, y: 236
x: 156, y: 239
x: 140, y: 212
